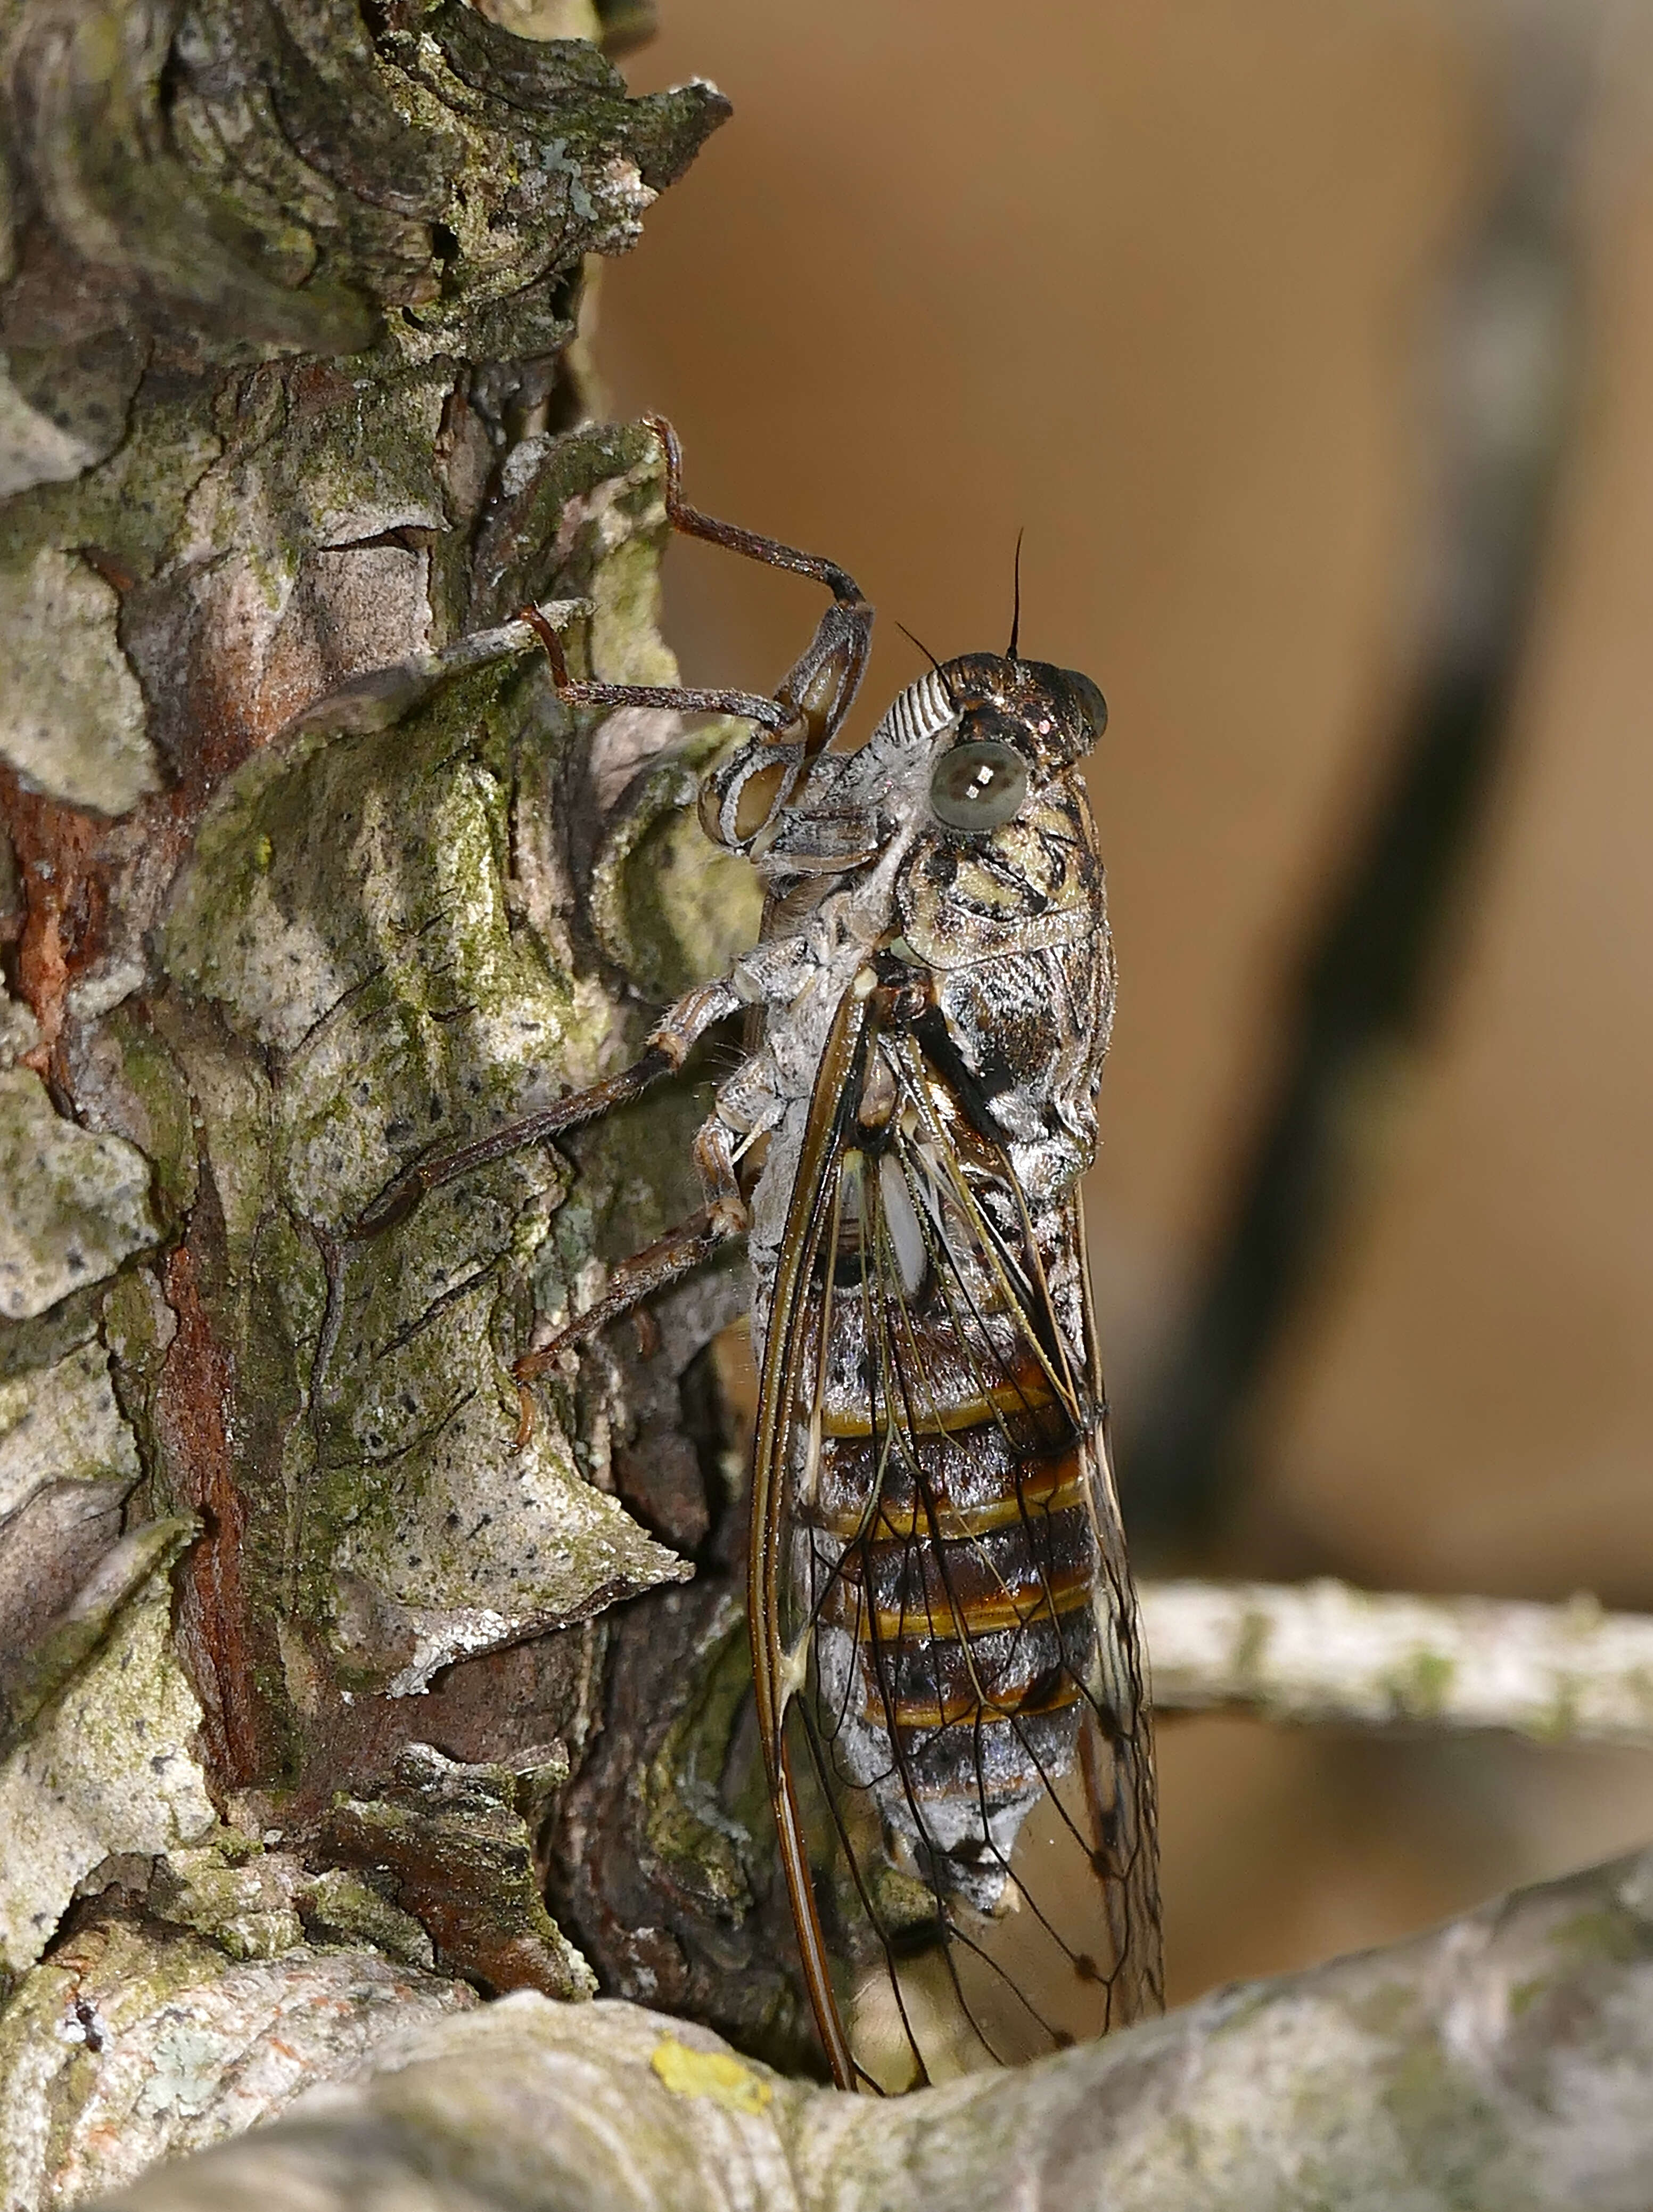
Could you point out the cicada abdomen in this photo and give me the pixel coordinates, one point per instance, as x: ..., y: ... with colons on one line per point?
x: 947, y: 1564
x: 948, y: 1687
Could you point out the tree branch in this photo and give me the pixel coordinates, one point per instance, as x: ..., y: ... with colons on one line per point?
x: 1323, y: 1652
x: 1505, y: 2060
x: 306, y: 873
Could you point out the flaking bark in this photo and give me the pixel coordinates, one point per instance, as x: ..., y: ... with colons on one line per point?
x: 304, y: 871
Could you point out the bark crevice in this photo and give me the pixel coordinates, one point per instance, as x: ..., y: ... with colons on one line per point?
x: 291, y: 426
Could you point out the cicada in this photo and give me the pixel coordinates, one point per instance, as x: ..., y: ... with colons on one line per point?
x: 949, y: 1689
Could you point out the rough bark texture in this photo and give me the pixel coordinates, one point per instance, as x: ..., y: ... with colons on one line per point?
x: 304, y: 872
x: 1504, y: 2062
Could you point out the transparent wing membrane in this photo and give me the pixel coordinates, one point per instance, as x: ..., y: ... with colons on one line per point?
x: 961, y: 1727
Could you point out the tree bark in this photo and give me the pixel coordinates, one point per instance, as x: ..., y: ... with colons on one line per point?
x: 1503, y: 2064
x: 306, y: 872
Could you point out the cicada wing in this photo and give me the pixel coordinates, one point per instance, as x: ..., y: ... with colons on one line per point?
x: 960, y: 1741
x: 1121, y: 1784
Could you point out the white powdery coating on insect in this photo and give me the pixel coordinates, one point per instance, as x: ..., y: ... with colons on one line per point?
x: 1324, y: 1652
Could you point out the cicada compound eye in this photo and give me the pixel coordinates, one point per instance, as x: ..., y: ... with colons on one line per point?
x: 978, y: 785
x: 1089, y: 699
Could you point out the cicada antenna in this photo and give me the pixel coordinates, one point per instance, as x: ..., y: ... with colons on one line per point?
x: 921, y: 646
x: 1016, y: 610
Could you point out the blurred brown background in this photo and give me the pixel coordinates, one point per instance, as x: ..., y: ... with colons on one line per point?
x: 1171, y: 285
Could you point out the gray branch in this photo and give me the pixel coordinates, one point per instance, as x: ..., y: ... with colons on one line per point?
x: 1505, y: 2060
x: 1323, y: 1652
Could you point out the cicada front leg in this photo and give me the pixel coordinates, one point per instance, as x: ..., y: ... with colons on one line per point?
x: 745, y: 1107
x: 726, y: 1214
x: 661, y: 1264
x: 740, y: 795
x: 742, y: 792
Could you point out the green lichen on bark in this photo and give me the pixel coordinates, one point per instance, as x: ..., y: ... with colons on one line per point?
x: 108, y: 1767
x: 347, y: 913
x: 61, y: 1423
x: 282, y: 179
x: 137, y: 2040
x: 238, y: 1897
x: 1500, y: 2064
x: 342, y: 1907
x: 127, y: 1077
x: 130, y: 1574
x: 704, y: 1841
x: 486, y: 1907
x: 668, y: 906
x: 62, y: 607
x: 299, y: 854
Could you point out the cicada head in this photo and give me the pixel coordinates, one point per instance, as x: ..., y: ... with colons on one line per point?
x: 1051, y: 716
x: 968, y: 755
x: 1001, y: 853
